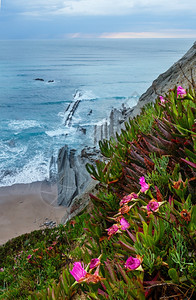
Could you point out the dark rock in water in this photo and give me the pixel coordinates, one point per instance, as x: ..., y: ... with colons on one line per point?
x: 50, y: 81
x: 11, y: 143
x: 39, y: 79
x: 71, y: 112
x: 77, y: 95
x: 83, y: 130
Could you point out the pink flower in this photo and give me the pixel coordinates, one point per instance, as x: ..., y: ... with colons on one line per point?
x: 132, y: 263
x: 112, y: 230
x: 128, y: 198
x: 152, y: 206
x: 144, y: 185
x: 162, y: 99
x: 78, y: 272
x: 94, y: 263
x: 2, y: 270
x: 29, y: 256
x: 181, y: 92
x: 124, y: 224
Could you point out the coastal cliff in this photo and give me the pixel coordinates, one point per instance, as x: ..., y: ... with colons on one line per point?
x: 180, y: 73
x: 73, y: 179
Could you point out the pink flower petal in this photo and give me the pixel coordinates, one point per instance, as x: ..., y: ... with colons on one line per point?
x: 113, y: 229
x: 132, y: 263
x: 78, y: 272
x: 144, y: 185
x: 152, y: 205
x: 124, y: 224
x: 180, y: 91
x: 162, y: 99
x: 94, y: 263
x: 128, y: 198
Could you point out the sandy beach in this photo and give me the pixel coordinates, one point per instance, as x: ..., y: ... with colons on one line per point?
x: 26, y: 207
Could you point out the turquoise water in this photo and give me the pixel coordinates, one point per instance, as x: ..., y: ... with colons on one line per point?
x: 101, y: 73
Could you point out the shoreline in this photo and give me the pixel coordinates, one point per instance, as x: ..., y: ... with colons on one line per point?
x: 26, y: 207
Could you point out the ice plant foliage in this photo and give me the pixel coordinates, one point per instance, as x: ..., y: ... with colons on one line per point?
x: 144, y: 185
x: 160, y: 239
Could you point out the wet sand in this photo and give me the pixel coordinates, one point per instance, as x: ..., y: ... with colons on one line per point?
x: 26, y: 207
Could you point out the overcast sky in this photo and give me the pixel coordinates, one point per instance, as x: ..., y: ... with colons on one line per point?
x: 40, y: 19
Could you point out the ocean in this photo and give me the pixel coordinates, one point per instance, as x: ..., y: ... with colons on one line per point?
x: 40, y: 81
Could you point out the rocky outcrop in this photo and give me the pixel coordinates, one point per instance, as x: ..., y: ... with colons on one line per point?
x: 71, y: 111
x: 73, y: 178
x: 113, y: 125
x: 180, y: 73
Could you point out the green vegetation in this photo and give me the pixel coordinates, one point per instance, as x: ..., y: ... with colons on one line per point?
x: 138, y: 240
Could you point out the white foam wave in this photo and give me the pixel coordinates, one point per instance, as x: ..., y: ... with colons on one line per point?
x: 101, y: 122
x: 7, y: 151
x: 84, y: 95
x: 23, y: 124
x: 61, y: 114
x: 93, y: 123
x: 35, y: 170
x: 60, y: 131
x: 57, y: 132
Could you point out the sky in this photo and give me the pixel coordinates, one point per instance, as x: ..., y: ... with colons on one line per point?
x: 60, y: 19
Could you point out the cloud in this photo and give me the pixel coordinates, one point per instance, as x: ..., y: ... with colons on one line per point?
x: 91, y: 18
x: 98, y: 7
x: 150, y: 34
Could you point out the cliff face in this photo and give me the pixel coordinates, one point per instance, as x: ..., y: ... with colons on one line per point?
x: 181, y: 73
x: 73, y: 178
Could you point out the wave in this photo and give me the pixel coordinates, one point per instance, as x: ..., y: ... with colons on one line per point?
x: 60, y: 131
x: 9, y: 150
x: 23, y: 124
x: 35, y: 170
x: 84, y: 95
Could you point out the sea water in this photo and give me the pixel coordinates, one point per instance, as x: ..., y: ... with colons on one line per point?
x: 100, y: 74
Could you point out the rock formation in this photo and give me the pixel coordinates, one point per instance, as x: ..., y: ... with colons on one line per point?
x: 180, y: 73
x: 73, y: 178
